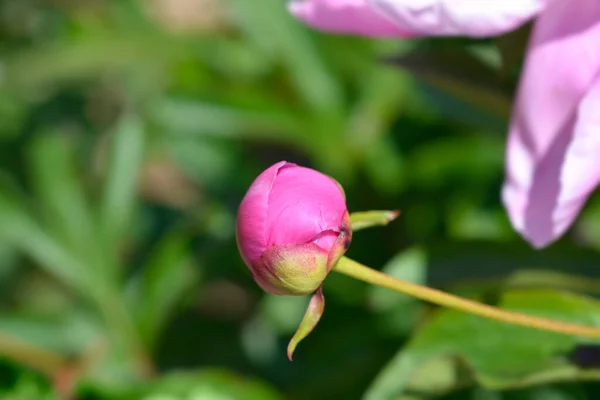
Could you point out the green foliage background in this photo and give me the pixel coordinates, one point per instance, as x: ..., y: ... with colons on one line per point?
x: 130, y: 130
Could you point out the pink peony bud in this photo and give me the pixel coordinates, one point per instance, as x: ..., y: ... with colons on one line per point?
x: 292, y: 227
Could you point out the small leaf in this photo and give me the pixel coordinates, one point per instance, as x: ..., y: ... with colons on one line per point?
x: 315, y: 309
x: 368, y: 219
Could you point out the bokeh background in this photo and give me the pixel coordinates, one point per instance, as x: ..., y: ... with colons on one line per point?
x: 129, y: 133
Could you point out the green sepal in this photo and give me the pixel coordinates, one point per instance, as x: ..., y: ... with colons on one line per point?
x: 368, y: 219
x: 313, y: 314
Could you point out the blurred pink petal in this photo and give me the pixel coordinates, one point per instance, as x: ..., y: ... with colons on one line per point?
x: 402, y: 18
x: 476, y: 18
x: 553, y: 156
x: 344, y: 16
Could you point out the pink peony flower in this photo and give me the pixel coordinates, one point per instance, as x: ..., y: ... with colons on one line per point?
x: 553, y: 154
x: 292, y: 226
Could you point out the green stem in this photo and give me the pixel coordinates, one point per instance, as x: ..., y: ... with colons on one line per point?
x: 37, y: 358
x: 352, y: 268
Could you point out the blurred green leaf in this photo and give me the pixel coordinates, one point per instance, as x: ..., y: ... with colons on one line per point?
x: 462, y: 75
x: 409, y: 265
x: 473, y: 157
x: 20, y: 230
x: 13, y: 111
x: 170, y: 276
x: 28, y: 387
x: 120, y: 187
x: 438, y: 375
x: 259, y: 340
x: 284, y: 313
x: 549, y: 392
x: 223, y: 89
x: 67, y: 333
x: 209, y: 162
x: 193, y: 117
x: 236, y: 59
x: 499, y: 355
x: 385, y: 166
x: 460, y: 261
x: 468, y: 221
x: 9, y: 258
x: 88, y: 55
x: 399, y: 313
x: 63, y: 203
x: 383, y: 91
x: 530, y: 279
x: 587, y: 226
x: 268, y: 23
x: 209, y: 384
x: 31, y: 355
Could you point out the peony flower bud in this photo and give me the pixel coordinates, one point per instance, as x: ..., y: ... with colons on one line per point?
x: 292, y: 227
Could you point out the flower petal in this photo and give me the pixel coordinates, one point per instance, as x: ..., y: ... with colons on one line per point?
x: 344, y: 16
x: 477, y: 18
x: 252, y: 215
x: 304, y: 205
x: 552, y: 158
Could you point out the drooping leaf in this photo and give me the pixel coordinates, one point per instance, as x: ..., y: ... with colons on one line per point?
x: 499, y: 355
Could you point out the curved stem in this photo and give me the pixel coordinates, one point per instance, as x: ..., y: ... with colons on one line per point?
x: 356, y: 270
x: 37, y: 358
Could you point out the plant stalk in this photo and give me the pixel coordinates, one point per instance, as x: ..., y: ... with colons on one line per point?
x: 358, y: 271
x: 37, y: 358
